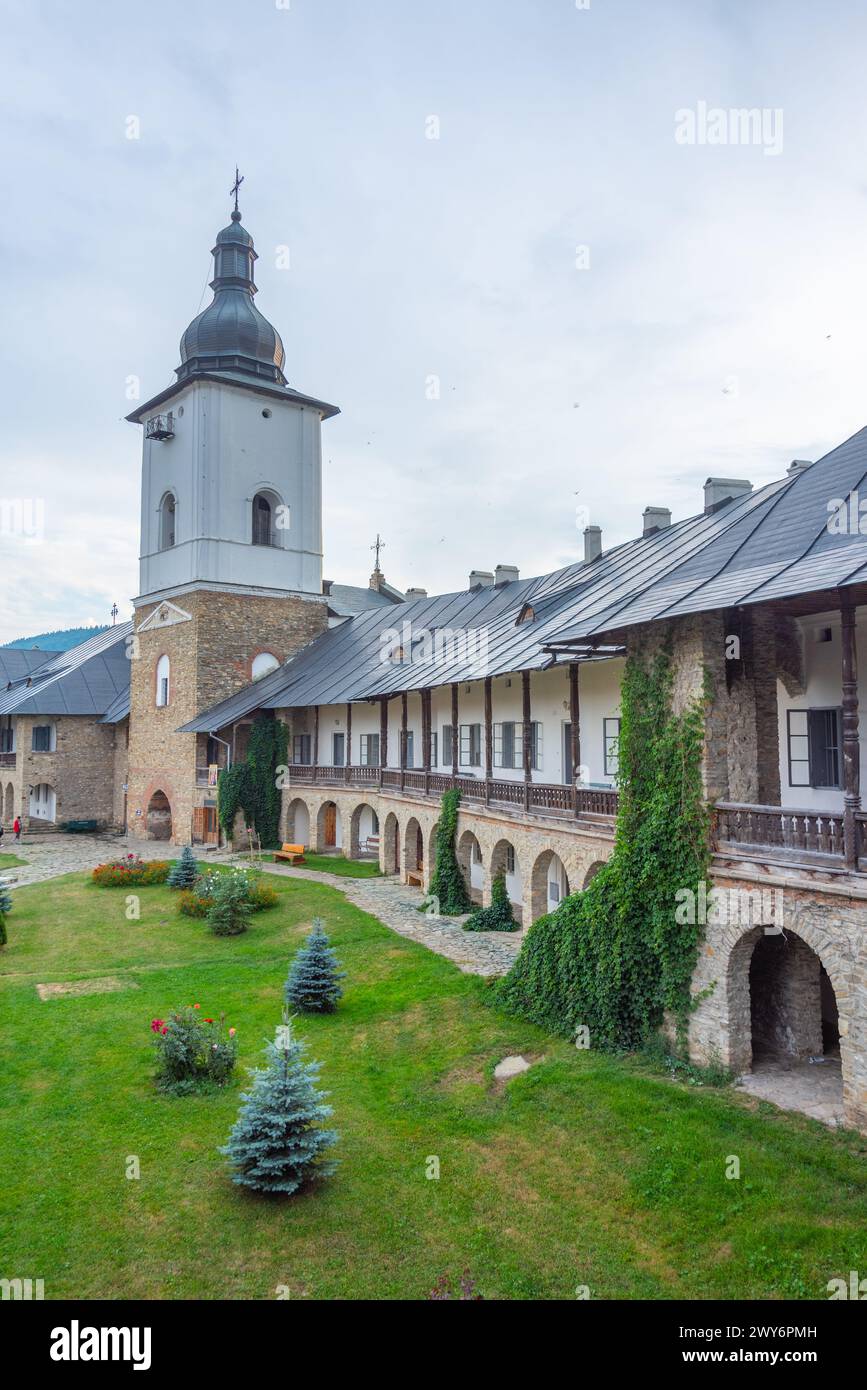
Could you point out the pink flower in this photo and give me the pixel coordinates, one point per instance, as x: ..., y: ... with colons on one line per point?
x: 231, y: 1032
x: 158, y: 1026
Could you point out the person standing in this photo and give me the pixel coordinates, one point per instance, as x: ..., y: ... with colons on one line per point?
x: 16, y: 826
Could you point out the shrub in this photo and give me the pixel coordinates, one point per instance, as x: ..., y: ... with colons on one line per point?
x: 131, y: 871
x: 193, y: 1051
x: 497, y: 917
x: 313, y: 981
x: 5, y: 907
x: 276, y: 1144
x: 229, y: 911
x: 185, y: 870
x: 196, y: 901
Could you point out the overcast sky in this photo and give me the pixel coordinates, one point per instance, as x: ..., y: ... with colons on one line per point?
x: 713, y: 324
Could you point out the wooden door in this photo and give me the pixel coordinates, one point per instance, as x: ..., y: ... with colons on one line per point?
x: 330, y: 826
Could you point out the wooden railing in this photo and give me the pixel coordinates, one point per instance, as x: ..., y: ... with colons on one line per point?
x: 779, y: 828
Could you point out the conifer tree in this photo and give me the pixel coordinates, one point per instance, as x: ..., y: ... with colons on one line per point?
x: 184, y: 871
x: 5, y: 906
x: 313, y: 982
x: 277, y: 1142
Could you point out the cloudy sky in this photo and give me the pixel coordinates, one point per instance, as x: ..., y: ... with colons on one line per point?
x: 612, y: 313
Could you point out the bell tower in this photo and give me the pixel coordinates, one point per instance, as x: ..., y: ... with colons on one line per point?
x: 230, y: 561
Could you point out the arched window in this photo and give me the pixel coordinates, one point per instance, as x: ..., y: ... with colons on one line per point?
x: 163, y: 675
x: 263, y: 520
x: 263, y: 663
x: 167, y: 521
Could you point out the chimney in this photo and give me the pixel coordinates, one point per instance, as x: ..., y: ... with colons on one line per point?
x: 592, y: 542
x: 719, y: 491
x: 415, y: 593
x: 377, y: 579
x: 506, y: 574
x: 326, y: 587
x: 798, y: 466
x: 481, y: 579
x: 655, y: 519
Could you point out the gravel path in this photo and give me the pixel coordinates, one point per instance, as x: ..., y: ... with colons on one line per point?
x: 54, y: 855
x: 395, y: 904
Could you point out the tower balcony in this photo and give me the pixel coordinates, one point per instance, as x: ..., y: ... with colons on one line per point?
x: 160, y: 427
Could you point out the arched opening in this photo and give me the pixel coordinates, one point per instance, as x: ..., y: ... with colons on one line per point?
x: 168, y: 516
x: 297, y: 827
x: 505, y: 861
x: 592, y: 872
x: 413, y: 849
x: 549, y: 884
x: 43, y: 802
x: 469, y: 853
x: 264, y: 515
x: 163, y: 681
x: 364, y: 833
x: 784, y: 1023
x: 159, y: 817
x: 391, y: 845
x: 263, y: 664
x: 328, y: 827
x: 10, y: 802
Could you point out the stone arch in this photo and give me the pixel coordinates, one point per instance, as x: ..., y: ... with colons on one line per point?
x: 505, y: 860
x: 549, y: 884
x: 592, y: 872
x: 329, y: 827
x: 296, y: 823
x: 9, y: 808
x: 363, y: 824
x: 413, y: 847
x: 158, y: 816
x: 469, y: 853
x: 390, y: 845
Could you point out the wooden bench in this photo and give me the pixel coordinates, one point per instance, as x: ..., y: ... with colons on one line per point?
x: 371, y: 845
x: 415, y: 877
x: 292, y: 854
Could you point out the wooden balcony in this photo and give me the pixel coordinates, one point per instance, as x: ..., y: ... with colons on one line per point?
x: 7, y: 759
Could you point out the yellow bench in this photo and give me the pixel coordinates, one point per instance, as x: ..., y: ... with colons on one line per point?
x: 293, y: 854
x: 415, y: 878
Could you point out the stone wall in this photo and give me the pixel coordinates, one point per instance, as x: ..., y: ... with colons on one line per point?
x: 79, y: 769
x: 210, y: 653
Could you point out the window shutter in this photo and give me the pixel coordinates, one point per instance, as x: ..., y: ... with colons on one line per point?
x: 518, y: 745
x: 498, y: 745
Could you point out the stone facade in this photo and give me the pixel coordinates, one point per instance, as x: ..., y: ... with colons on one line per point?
x: 210, y: 655
x: 75, y: 770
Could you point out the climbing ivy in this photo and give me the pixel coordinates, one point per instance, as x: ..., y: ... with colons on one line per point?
x: 447, y: 882
x: 613, y: 957
x: 497, y: 917
x: 252, y: 786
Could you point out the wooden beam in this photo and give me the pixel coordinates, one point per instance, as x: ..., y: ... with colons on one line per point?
x: 851, y: 741
x: 489, y: 738
x: 348, y: 758
x: 456, y: 732
x: 315, y: 740
x: 383, y: 736
x: 575, y: 731
x: 528, y: 736
x: 403, y: 738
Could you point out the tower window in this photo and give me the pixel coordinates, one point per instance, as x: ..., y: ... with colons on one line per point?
x: 167, y: 521
x: 263, y: 663
x: 163, y: 676
x: 263, y: 521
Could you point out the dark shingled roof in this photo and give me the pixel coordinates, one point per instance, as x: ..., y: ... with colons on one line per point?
x: 85, y: 680
x: 771, y: 544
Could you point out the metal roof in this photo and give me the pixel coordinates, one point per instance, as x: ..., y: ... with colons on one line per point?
x: 346, y: 600
x: 84, y: 680
x: 16, y: 663
x: 771, y: 544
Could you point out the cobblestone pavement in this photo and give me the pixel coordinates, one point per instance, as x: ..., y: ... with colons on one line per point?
x: 396, y: 904
x: 50, y: 856
x: 811, y: 1089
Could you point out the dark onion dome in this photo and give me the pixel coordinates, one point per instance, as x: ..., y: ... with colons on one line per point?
x: 231, y: 334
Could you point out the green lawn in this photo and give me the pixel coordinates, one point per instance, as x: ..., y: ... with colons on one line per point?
x: 335, y: 864
x: 10, y: 861
x: 587, y: 1170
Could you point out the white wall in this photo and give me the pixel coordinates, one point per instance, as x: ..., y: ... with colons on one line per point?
x: 223, y: 452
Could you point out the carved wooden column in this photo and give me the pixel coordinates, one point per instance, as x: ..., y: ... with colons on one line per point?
x: 348, y: 768
x: 403, y: 740
x: 456, y: 733
x: 851, y: 741
x: 315, y: 740
x: 426, y: 736
x: 489, y: 740
x: 575, y: 731
x: 383, y: 736
x: 527, y: 739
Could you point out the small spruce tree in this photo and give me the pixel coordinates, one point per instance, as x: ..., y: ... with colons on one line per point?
x: 497, y: 917
x: 277, y: 1142
x: 184, y: 871
x: 312, y: 984
x: 5, y: 907
x: 229, y: 913
x: 447, y: 882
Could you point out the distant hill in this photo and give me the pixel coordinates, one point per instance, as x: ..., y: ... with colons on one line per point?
x: 58, y: 641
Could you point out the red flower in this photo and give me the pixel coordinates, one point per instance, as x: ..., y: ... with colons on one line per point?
x: 209, y: 1020
x: 158, y: 1026
x: 164, y: 1031
x: 197, y: 1006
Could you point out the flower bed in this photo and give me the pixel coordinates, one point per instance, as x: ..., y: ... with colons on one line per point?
x: 131, y: 871
x: 193, y: 1051
x: 196, y: 902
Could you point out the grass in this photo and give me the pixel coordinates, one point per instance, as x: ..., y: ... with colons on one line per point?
x: 337, y: 865
x: 586, y: 1170
x: 10, y: 861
